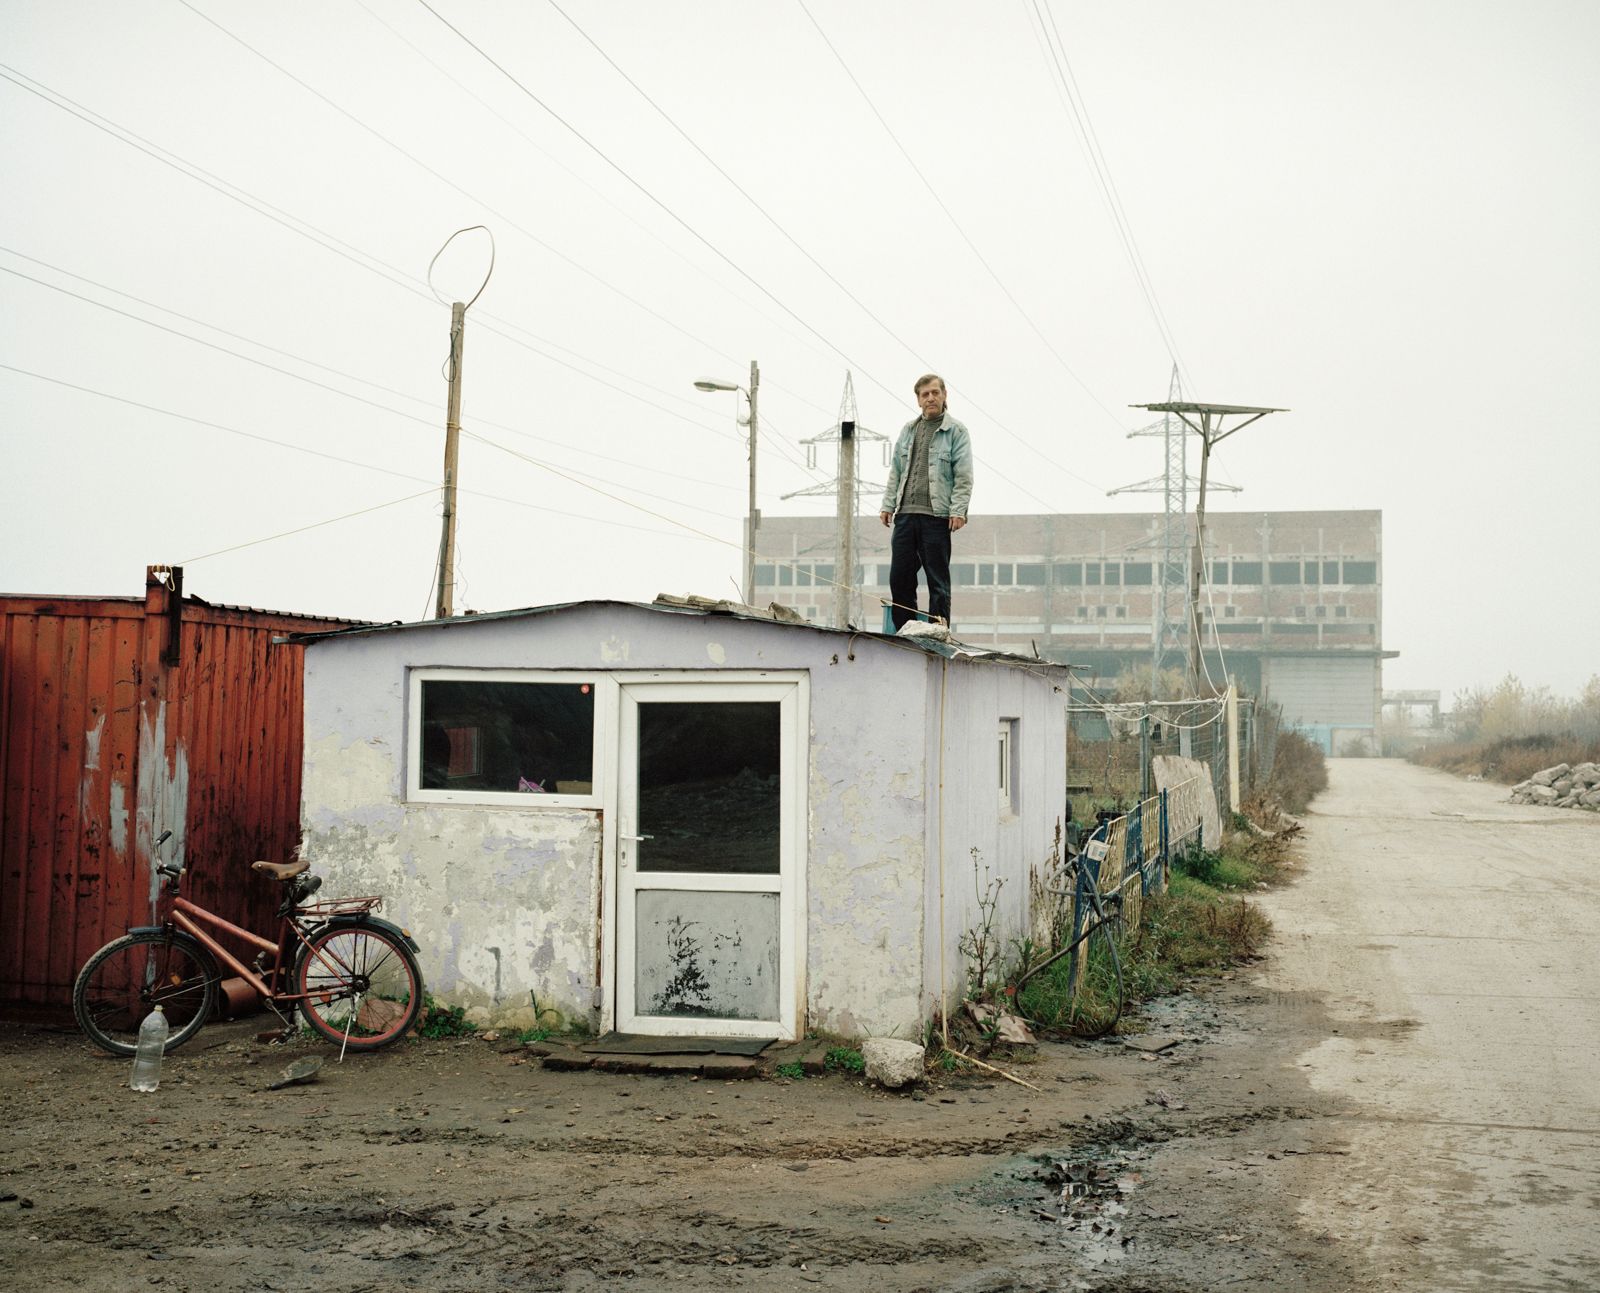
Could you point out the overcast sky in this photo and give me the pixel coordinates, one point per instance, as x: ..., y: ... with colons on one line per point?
x: 1380, y: 216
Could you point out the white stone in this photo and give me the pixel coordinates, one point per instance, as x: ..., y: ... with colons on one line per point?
x: 1543, y: 795
x: 1550, y: 775
x: 890, y: 1062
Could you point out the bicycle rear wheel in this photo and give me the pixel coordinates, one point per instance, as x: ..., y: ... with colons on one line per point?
x: 362, y: 987
x: 121, y: 983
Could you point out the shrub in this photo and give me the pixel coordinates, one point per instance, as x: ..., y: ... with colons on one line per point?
x: 1299, y: 772
x: 444, y: 1021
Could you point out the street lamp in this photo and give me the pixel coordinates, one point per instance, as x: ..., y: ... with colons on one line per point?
x: 754, y: 517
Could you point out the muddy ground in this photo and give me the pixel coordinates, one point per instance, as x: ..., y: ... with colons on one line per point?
x: 1401, y: 1095
x: 466, y: 1165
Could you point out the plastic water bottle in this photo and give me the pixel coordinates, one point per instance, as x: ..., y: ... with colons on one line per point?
x: 147, y: 1056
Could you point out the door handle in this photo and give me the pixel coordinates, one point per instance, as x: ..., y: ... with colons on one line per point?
x: 636, y: 838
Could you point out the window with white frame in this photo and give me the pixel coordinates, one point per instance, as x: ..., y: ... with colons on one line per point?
x: 1008, y: 737
x: 503, y: 736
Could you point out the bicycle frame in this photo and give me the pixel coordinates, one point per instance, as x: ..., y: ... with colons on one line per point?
x: 191, y: 918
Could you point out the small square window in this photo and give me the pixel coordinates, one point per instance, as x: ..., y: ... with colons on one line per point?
x: 1083, y: 612
x: 1322, y: 612
x: 1341, y: 612
x: 1299, y: 612
x: 1099, y: 612
x: 1122, y: 612
x: 1230, y: 612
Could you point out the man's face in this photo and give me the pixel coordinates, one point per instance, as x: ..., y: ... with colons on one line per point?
x: 931, y: 400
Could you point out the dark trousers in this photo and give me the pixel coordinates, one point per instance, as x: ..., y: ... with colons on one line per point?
x: 919, y: 542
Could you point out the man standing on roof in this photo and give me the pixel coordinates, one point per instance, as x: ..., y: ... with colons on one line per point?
x: 930, y: 485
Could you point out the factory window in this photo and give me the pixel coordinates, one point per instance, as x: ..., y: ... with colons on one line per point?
x: 1031, y: 573
x: 1313, y: 569
x: 1122, y: 612
x: 802, y: 576
x: 785, y: 576
x: 1069, y: 573
x: 961, y: 574
x: 1283, y: 572
x: 1299, y: 612
x: 1341, y: 612
x: 1322, y: 612
x: 1247, y: 572
x: 1003, y: 574
x: 985, y: 574
x: 1136, y: 572
x: 1099, y: 612
x: 765, y: 576
x: 1219, y: 572
x: 1083, y: 612
x: 1230, y: 612
x: 1113, y: 572
x: 1361, y: 572
x: 825, y: 573
x: 1330, y: 572
x: 1091, y: 573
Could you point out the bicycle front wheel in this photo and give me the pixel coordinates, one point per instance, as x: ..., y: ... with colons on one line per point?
x: 1097, y: 982
x: 360, y: 985
x: 121, y: 983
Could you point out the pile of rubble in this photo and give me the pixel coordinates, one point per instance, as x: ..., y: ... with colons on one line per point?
x: 1562, y: 786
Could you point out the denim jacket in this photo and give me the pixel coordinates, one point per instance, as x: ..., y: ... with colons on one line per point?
x: 949, y: 468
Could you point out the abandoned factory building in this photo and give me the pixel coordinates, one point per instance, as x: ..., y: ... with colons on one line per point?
x: 1294, y: 600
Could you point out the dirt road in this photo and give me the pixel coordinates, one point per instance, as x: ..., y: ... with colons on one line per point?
x: 1453, y: 939
x: 1401, y: 1097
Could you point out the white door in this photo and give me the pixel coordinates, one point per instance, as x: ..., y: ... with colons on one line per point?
x: 709, y: 830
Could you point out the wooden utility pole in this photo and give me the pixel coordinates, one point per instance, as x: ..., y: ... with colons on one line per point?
x: 754, y: 518
x: 452, y: 441
x: 844, y: 571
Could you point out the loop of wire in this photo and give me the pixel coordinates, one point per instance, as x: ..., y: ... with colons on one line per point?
x: 490, y: 274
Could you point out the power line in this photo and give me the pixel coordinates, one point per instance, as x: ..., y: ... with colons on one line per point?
x: 431, y: 423
x: 1078, y: 111
x: 329, y: 457
x: 717, y: 251
x: 956, y: 224
x: 315, y: 525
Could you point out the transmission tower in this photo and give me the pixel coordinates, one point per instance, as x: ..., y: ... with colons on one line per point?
x: 848, y: 487
x: 1171, y: 574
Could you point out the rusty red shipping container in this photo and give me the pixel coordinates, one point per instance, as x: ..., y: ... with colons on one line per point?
x: 121, y: 718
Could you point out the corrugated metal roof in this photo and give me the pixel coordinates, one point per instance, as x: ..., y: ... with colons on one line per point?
x: 706, y: 609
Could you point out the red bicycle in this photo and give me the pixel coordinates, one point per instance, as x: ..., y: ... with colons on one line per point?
x: 352, y: 975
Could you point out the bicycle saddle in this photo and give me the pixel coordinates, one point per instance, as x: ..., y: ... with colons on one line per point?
x: 283, y: 870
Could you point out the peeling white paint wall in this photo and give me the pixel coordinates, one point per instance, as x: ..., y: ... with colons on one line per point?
x: 162, y: 792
